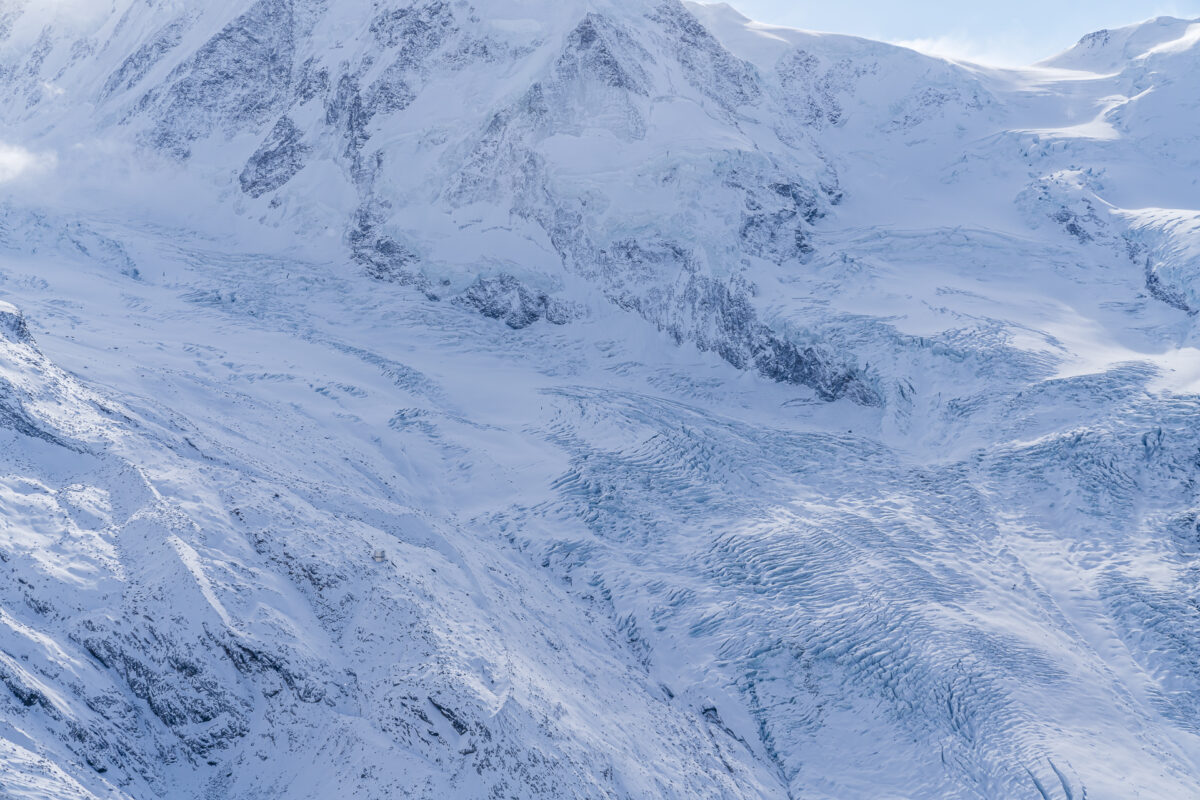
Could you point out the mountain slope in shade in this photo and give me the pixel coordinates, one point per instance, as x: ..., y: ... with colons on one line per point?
x: 736, y: 411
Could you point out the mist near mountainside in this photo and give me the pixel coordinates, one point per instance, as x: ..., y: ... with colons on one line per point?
x: 592, y: 399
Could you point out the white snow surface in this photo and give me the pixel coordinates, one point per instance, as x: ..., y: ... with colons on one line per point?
x: 740, y: 412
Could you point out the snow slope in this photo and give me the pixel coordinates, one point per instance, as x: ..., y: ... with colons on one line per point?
x: 741, y: 411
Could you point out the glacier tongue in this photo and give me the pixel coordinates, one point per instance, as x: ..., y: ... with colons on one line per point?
x: 195, y: 605
x: 591, y: 399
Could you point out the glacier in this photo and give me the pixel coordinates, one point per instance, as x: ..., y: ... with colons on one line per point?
x: 738, y: 411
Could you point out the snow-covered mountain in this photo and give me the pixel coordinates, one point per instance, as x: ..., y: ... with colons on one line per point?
x: 591, y: 398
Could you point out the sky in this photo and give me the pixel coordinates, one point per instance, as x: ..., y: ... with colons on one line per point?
x: 1010, y: 33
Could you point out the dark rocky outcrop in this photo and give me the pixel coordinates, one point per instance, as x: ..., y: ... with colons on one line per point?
x: 134, y: 68
x: 507, y: 299
x: 720, y: 317
x: 276, y: 161
x: 239, y: 78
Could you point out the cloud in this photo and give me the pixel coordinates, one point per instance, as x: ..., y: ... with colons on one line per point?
x: 17, y: 162
x: 997, y: 52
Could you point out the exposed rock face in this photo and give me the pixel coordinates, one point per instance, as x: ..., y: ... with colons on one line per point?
x: 258, y: 74
x: 12, y: 324
x: 383, y: 257
x: 505, y: 298
x: 709, y: 67
x: 276, y: 161
x: 139, y: 63
x: 720, y: 317
x: 236, y: 81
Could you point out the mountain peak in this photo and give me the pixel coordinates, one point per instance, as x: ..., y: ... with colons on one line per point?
x: 1109, y: 50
